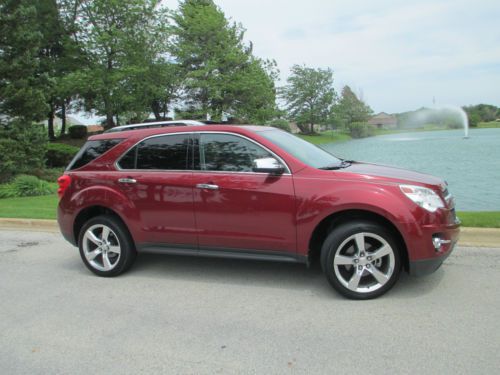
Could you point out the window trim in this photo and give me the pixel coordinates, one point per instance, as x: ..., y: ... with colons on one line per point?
x: 280, y: 159
x: 83, y: 149
x: 117, y: 166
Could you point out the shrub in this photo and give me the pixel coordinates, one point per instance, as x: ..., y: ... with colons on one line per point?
x: 59, y: 154
x: 77, y: 131
x: 48, y: 174
x: 280, y: 124
x: 360, y: 130
x: 26, y: 186
x: 22, y: 148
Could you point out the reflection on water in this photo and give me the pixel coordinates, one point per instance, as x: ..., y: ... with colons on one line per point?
x: 471, y: 166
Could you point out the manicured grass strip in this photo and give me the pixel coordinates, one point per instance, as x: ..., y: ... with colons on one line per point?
x: 480, y: 219
x: 491, y: 124
x: 43, y: 207
x: 326, y: 137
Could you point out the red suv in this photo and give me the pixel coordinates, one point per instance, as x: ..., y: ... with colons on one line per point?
x: 252, y: 192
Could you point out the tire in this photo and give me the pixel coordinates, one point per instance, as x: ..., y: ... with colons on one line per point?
x: 361, y: 259
x: 113, y: 256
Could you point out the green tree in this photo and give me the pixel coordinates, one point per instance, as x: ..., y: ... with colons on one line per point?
x: 350, y: 109
x: 120, y: 39
x: 22, y: 91
x: 50, y: 53
x: 220, y: 73
x: 309, y: 96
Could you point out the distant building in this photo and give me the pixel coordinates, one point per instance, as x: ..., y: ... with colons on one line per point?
x: 384, y: 121
x: 94, y: 128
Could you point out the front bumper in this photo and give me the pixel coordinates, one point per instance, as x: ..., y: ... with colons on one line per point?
x: 426, y: 258
x: 427, y: 266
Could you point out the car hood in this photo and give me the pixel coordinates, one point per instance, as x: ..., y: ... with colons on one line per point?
x: 372, y: 171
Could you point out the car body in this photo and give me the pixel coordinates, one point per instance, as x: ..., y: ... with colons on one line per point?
x: 264, y: 202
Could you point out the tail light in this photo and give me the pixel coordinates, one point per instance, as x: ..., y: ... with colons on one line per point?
x: 64, y: 181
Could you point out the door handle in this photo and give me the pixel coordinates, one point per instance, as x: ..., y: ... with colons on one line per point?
x: 207, y: 186
x: 127, y: 180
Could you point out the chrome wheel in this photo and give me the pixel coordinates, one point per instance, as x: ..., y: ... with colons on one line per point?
x: 364, y: 262
x: 101, y: 247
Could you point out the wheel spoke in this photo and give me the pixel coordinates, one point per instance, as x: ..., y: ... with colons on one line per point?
x: 360, y: 242
x: 92, y: 254
x: 383, y: 251
x: 115, y: 249
x: 92, y: 237
x: 355, y: 278
x: 379, y: 276
x: 105, y: 233
x: 105, y: 262
x: 343, y: 260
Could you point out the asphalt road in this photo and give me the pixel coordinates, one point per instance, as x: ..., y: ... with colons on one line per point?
x: 202, y: 316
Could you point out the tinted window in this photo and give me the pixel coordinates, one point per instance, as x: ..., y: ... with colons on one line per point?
x: 168, y: 152
x: 92, y: 150
x: 224, y: 152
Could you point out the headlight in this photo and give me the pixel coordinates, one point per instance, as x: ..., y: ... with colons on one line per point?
x: 425, y: 198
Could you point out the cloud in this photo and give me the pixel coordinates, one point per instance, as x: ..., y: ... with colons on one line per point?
x: 398, y: 53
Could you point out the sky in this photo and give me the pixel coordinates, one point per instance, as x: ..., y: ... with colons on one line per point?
x: 398, y: 55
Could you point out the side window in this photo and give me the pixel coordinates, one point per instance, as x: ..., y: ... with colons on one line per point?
x: 169, y: 152
x: 90, y: 151
x: 225, y: 152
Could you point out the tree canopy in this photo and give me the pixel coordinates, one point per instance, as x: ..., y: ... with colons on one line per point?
x: 221, y: 75
x: 350, y: 109
x: 309, y: 96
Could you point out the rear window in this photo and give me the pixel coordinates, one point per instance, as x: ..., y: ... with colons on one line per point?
x: 90, y: 151
x: 168, y: 152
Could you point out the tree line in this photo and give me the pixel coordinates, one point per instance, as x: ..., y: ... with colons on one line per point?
x: 126, y: 59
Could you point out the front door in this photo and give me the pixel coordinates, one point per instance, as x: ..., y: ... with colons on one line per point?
x: 236, y: 208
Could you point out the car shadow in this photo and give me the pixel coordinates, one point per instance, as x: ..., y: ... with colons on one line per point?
x: 265, y: 274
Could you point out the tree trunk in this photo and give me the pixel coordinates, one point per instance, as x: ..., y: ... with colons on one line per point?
x: 311, y: 128
x: 155, y: 107
x: 303, y: 128
x: 50, y: 123
x: 63, y: 117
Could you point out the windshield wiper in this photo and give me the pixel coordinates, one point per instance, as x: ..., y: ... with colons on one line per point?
x: 343, y: 164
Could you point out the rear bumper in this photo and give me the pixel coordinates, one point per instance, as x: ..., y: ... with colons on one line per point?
x: 65, y: 225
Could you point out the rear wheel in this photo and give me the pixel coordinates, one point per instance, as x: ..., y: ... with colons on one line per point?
x: 105, y: 246
x: 361, y: 260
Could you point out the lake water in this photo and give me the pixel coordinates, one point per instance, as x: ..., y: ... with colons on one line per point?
x: 471, y: 166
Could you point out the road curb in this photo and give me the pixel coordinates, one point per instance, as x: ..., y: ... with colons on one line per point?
x: 477, y: 237
x: 38, y: 225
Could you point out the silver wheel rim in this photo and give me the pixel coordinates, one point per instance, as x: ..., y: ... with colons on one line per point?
x: 364, y: 262
x: 101, y: 247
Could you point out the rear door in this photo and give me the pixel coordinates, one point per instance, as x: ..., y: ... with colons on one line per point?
x: 157, y: 178
x: 236, y: 208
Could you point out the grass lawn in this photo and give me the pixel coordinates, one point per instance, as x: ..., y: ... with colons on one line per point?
x: 325, y: 137
x: 43, y: 207
x: 486, y: 219
x: 491, y: 124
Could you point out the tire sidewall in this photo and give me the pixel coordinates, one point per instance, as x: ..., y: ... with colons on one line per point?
x: 127, y: 249
x: 331, y: 247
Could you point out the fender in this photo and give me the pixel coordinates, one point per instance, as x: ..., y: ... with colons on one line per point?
x: 338, y: 196
x: 112, y: 199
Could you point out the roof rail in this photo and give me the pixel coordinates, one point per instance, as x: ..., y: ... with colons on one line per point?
x: 158, y: 124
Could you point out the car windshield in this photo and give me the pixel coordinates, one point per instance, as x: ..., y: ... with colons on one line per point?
x: 304, y: 151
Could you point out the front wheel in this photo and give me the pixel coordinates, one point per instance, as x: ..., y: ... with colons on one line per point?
x: 361, y: 260
x: 105, y: 246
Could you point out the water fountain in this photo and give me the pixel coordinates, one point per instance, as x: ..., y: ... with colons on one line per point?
x: 461, y: 113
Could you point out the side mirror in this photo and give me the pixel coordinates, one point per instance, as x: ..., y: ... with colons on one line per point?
x: 268, y: 165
